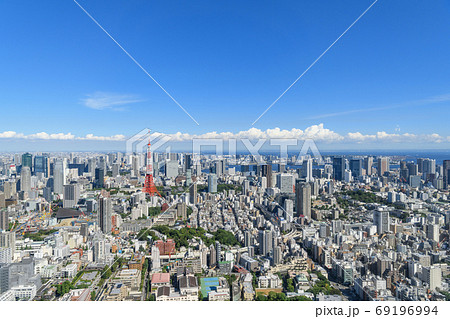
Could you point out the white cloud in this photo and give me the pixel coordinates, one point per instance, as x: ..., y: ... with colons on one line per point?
x: 92, y: 137
x: 396, y: 138
x: 104, y: 100
x: 59, y: 136
x: 316, y: 132
x: 10, y: 134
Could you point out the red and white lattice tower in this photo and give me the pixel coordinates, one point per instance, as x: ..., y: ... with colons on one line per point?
x: 149, y: 185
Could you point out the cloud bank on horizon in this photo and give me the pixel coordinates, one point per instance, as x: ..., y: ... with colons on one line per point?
x: 318, y: 133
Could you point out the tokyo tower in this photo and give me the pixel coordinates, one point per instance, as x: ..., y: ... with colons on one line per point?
x: 149, y: 185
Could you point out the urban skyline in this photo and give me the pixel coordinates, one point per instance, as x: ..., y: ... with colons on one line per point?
x: 226, y: 151
x: 354, y: 91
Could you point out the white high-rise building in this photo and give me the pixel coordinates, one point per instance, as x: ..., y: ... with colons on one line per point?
x: 286, y: 183
x: 71, y: 195
x: 433, y: 276
x: 171, y: 169
x: 25, y: 179
x: 156, y: 259
x: 262, y: 180
x: 307, y: 167
x: 433, y: 232
x: 8, y: 240
x: 59, y: 176
x: 381, y: 220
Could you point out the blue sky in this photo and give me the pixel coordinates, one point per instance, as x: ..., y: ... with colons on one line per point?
x: 225, y: 62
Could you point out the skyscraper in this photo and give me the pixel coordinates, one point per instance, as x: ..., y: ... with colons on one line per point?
x: 59, y: 176
x: 381, y: 220
x: 303, y: 198
x: 212, y: 183
x: 306, y: 171
x: 356, y: 167
x: 105, y: 213
x: 285, y: 183
x: 181, y: 211
x: 171, y: 169
x: 27, y: 160
x: 25, y: 179
x: 220, y: 167
x: 428, y: 168
x: 99, y: 181
x: 446, y: 169
x: 8, y: 240
x: 187, y: 161
x: 383, y: 165
x: 218, y: 253
x: 432, y: 276
x: 115, y: 170
x: 368, y: 162
x: 265, y: 242
x: 339, y: 168
x: 4, y: 220
x: 71, y: 195
x: 41, y: 165
x: 266, y: 171
x: 193, y: 194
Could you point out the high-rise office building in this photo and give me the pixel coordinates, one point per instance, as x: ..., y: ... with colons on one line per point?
x: 4, y: 220
x: 4, y: 278
x: 303, y: 198
x: 105, y: 213
x: 286, y: 183
x: 432, y: 276
x: 171, y: 169
x: 27, y: 160
x: 99, y: 181
x: 383, y: 165
x: 307, y: 170
x: 368, y: 162
x: 339, y: 168
x: 265, y: 242
x: 115, y: 169
x: 266, y: 171
x: 193, y: 194
x: 212, y: 183
x: 381, y: 220
x: 188, y: 161
x: 218, y: 253
x: 8, y: 240
x: 59, y: 176
x: 181, y: 211
x: 433, y: 232
x: 428, y: 169
x: 356, y: 167
x: 420, y: 164
x: 446, y: 173
x: 219, y: 167
x: 41, y: 165
x: 25, y: 179
x: 71, y: 195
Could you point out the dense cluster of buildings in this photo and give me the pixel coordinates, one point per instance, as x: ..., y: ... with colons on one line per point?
x: 224, y: 228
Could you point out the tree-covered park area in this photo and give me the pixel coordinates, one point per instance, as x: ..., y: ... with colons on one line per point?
x: 323, y: 285
x: 40, y: 235
x: 182, y: 236
x: 279, y: 296
x: 365, y: 197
